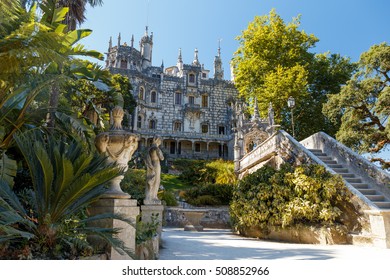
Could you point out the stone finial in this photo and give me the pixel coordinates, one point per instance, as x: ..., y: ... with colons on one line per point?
x: 132, y: 41
x: 110, y: 43
x: 196, y: 59
x: 117, y: 115
x: 271, y: 115
x: 119, y: 40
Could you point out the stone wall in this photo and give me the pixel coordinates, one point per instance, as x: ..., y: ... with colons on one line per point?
x: 212, y: 218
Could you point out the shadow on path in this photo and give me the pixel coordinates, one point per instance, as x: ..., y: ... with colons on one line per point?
x: 221, y: 244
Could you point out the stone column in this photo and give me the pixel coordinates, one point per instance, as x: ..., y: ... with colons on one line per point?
x: 125, y: 207
x: 148, y: 212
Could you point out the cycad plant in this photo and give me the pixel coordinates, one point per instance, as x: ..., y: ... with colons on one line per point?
x: 48, y: 221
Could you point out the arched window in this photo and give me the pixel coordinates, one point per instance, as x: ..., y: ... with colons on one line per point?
x: 123, y: 64
x: 191, y: 100
x: 153, y: 97
x: 141, y: 93
x: 152, y: 124
x: 139, y: 122
x: 191, y: 78
x: 177, y: 126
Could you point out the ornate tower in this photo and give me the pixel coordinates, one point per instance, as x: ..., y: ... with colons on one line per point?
x: 146, y: 47
x: 218, y: 70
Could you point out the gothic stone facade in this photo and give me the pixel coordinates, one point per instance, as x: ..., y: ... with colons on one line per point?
x: 182, y: 104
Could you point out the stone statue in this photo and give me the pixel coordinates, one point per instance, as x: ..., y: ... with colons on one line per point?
x: 271, y: 115
x: 119, y: 146
x: 153, y: 172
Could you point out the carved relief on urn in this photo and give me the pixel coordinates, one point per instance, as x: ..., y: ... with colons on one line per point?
x: 119, y: 146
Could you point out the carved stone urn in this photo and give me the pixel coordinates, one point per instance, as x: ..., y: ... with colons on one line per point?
x: 119, y: 146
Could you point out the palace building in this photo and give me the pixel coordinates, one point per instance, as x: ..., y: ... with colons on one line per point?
x: 191, y: 111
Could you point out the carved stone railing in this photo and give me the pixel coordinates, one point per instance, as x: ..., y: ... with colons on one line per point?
x: 357, y: 164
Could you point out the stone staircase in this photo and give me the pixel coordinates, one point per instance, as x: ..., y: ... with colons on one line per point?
x: 375, y: 196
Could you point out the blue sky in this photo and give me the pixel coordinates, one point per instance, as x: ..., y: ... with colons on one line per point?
x: 347, y: 27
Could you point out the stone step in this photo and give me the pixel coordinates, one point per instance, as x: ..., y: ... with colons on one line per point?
x: 353, y: 180
x: 347, y: 175
x: 333, y: 166
x: 315, y: 150
x: 382, y: 204
x: 325, y: 158
x: 340, y: 170
x: 329, y: 162
x: 360, y: 185
x: 361, y: 240
x: 376, y: 197
x: 367, y: 191
x: 320, y: 154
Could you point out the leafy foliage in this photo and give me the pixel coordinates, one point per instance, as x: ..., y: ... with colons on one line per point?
x: 273, y: 62
x: 363, y: 105
x: 307, y: 194
x: 209, y: 194
x: 46, y: 221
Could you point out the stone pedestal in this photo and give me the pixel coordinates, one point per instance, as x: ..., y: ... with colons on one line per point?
x: 380, y: 228
x: 127, y: 208
x: 148, y: 211
x: 193, y: 218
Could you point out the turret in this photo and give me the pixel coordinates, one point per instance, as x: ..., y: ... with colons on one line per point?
x: 146, y: 46
x: 195, y: 62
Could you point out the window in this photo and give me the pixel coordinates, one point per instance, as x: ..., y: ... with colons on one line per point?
x: 153, y: 97
x: 141, y: 93
x: 204, y: 76
x: 178, y: 98
x: 177, y: 126
x: 152, y: 124
x: 197, y: 147
x: 191, y: 78
x: 172, y: 148
x: 139, y: 122
x: 123, y: 64
x: 205, y: 101
x: 221, y: 130
x: 191, y: 100
x: 205, y: 128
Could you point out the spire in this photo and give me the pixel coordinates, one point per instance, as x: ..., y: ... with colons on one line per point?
x: 119, y: 39
x: 219, y: 47
x: 162, y: 64
x: 218, y: 70
x: 110, y: 43
x: 179, y: 58
x: 132, y: 41
x: 196, y: 60
x: 146, y: 31
x: 256, y: 115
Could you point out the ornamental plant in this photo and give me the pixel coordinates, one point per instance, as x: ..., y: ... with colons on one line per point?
x: 307, y: 194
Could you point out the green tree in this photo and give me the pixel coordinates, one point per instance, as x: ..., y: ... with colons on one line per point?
x: 363, y: 105
x: 273, y: 62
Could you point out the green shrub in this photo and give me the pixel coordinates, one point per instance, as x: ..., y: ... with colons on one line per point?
x: 210, y: 194
x: 168, y: 197
x: 146, y: 231
x: 134, y: 183
x: 200, y: 172
x: 307, y: 194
